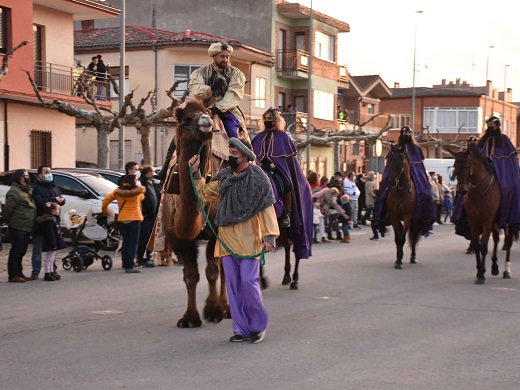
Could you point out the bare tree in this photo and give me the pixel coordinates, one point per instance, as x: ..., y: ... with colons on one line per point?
x: 106, y: 120
x: 144, y: 122
x: 4, y: 68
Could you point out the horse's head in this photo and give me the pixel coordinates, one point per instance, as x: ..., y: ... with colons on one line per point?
x: 398, y: 165
x: 462, y: 170
x: 193, y: 120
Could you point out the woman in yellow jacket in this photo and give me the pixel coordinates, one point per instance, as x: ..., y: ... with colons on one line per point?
x: 129, y: 197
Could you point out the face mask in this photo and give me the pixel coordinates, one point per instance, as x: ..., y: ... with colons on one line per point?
x: 156, y: 182
x: 137, y: 174
x: 344, y: 203
x: 268, y: 124
x: 233, y: 162
x: 48, y: 177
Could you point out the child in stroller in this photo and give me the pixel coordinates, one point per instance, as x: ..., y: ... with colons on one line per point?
x: 81, y: 256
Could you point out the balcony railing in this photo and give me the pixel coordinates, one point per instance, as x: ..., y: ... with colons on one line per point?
x: 355, y: 119
x: 343, y: 74
x: 64, y: 80
x: 295, y: 121
x: 292, y: 60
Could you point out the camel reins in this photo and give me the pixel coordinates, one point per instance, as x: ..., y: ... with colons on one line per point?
x: 205, y: 215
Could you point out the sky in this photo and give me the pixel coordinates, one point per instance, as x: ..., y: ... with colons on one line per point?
x: 452, y: 39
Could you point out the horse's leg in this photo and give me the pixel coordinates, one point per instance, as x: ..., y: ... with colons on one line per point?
x: 296, y: 275
x: 264, y: 280
x: 508, y: 243
x: 484, y: 240
x: 187, y: 252
x: 413, y: 237
x: 399, y: 243
x: 494, y: 264
x: 284, y: 241
x: 213, y: 311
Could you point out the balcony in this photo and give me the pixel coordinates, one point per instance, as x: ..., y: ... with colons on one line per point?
x: 295, y: 121
x: 292, y: 64
x: 64, y: 80
x: 343, y: 78
x: 355, y: 118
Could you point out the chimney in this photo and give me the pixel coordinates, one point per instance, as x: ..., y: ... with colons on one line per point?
x: 443, y: 82
x: 396, y: 85
x: 87, y: 25
x: 457, y: 82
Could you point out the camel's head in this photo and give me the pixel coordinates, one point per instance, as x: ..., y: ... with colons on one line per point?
x: 192, y: 117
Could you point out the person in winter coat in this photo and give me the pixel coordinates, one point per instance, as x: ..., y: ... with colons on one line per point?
x: 19, y: 214
x: 345, y: 220
x: 129, y: 197
x: 52, y: 239
x: 149, y: 208
x: 44, y: 191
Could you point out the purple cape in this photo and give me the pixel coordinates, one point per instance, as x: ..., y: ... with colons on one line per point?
x: 424, y: 209
x: 505, y: 164
x: 280, y: 150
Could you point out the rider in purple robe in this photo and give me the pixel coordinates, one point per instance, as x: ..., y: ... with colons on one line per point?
x: 424, y: 209
x: 277, y: 155
x: 500, y: 151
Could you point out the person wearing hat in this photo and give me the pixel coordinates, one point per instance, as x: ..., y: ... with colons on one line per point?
x: 246, y: 223
x: 424, y: 206
x: 472, y: 141
x: 497, y: 147
x: 221, y: 87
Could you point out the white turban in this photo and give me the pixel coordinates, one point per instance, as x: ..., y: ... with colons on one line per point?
x: 217, y: 47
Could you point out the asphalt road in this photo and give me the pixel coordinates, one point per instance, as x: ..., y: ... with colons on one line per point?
x: 355, y: 323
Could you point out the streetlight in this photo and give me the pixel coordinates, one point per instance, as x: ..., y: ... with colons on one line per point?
x: 309, y: 91
x: 121, y: 145
x: 504, y: 98
x: 413, y: 78
x: 486, y: 88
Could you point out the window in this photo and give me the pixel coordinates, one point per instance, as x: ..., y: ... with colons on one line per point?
x: 324, y: 46
x: 4, y: 12
x: 355, y: 149
x: 260, y: 92
x: 324, y: 105
x: 114, y: 73
x: 400, y: 120
x: 41, y: 148
x: 114, y: 153
x: 299, y: 39
x: 450, y: 119
x: 370, y: 109
x: 69, y: 186
x: 182, y: 72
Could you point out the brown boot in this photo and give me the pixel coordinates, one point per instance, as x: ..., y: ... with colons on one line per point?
x: 346, y: 238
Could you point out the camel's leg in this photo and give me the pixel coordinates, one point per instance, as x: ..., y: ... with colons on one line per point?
x: 187, y: 252
x: 296, y: 275
x: 494, y: 260
x: 213, y: 311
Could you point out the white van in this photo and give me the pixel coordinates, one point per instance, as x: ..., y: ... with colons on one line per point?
x: 444, y: 167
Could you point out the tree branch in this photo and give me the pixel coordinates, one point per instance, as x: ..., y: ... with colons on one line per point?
x: 4, y: 68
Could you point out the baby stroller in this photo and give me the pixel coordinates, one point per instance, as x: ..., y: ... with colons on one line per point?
x: 81, y: 256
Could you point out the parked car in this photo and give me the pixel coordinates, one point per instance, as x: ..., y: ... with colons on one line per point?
x: 113, y: 176
x: 83, y: 192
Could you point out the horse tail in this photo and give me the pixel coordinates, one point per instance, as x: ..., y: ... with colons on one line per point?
x: 414, y: 233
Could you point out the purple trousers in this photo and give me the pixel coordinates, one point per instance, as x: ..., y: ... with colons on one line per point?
x: 245, y: 297
x: 231, y: 124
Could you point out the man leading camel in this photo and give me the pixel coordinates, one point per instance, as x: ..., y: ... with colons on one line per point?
x: 247, y: 222
x: 221, y: 87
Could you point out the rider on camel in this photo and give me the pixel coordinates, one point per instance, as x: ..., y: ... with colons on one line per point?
x: 424, y: 209
x: 498, y: 148
x: 278, y: 157
x: 220, y: 87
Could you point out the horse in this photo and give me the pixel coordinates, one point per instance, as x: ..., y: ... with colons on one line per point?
x: 181, y: 221
x: 400, y: 204
x: 477, y: 182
